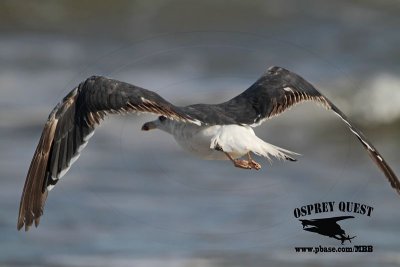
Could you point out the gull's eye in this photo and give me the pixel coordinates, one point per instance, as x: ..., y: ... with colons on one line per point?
x: 162, y: 118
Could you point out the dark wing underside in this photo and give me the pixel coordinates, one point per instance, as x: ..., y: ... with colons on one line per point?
x: 273, y: 93
x: 69, y: 127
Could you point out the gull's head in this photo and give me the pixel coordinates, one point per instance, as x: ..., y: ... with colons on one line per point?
x: 156, y: 124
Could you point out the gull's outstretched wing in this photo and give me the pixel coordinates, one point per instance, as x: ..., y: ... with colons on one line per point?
x: 69, y: 127
x: 276, y: 91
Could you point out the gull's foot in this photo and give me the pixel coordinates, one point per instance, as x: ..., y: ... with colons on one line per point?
x: 254, y: 165
x: 240, y: 163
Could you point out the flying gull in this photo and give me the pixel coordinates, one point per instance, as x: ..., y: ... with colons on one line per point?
x: 221, y: 131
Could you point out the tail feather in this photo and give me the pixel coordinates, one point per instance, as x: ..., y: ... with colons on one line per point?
x: 267, y: 150
x: 239, y: 140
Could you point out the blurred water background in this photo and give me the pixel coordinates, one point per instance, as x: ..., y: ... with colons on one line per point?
x: 135, y: 198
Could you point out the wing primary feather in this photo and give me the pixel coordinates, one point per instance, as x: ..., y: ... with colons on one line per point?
x: 62, y: 157
x: 69, y: 127
x: 54, y: 159
x: 33, y: 198
x: 70, y: 145
x: 372, y: 151
x: 278, y: 90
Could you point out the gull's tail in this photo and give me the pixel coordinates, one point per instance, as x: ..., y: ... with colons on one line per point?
x: 264, y: 149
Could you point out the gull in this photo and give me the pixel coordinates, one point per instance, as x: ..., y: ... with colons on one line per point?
x: 217, y: 131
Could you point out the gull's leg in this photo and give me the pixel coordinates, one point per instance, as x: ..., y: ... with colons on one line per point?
x: 252, y: 163
x: 244, y: 164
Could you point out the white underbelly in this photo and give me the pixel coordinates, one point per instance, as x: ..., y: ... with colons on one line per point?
x: 198, y: 140
x: 207, y: 142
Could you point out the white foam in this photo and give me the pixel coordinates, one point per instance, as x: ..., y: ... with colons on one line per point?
x: 379, y: 101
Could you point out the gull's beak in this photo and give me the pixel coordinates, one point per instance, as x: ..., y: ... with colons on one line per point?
x: 149, y: 126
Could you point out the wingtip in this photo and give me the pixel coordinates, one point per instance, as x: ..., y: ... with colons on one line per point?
x: 37, y: 221
x: 22, y: 224
x: 27, y: 225
x: 395, y: 186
